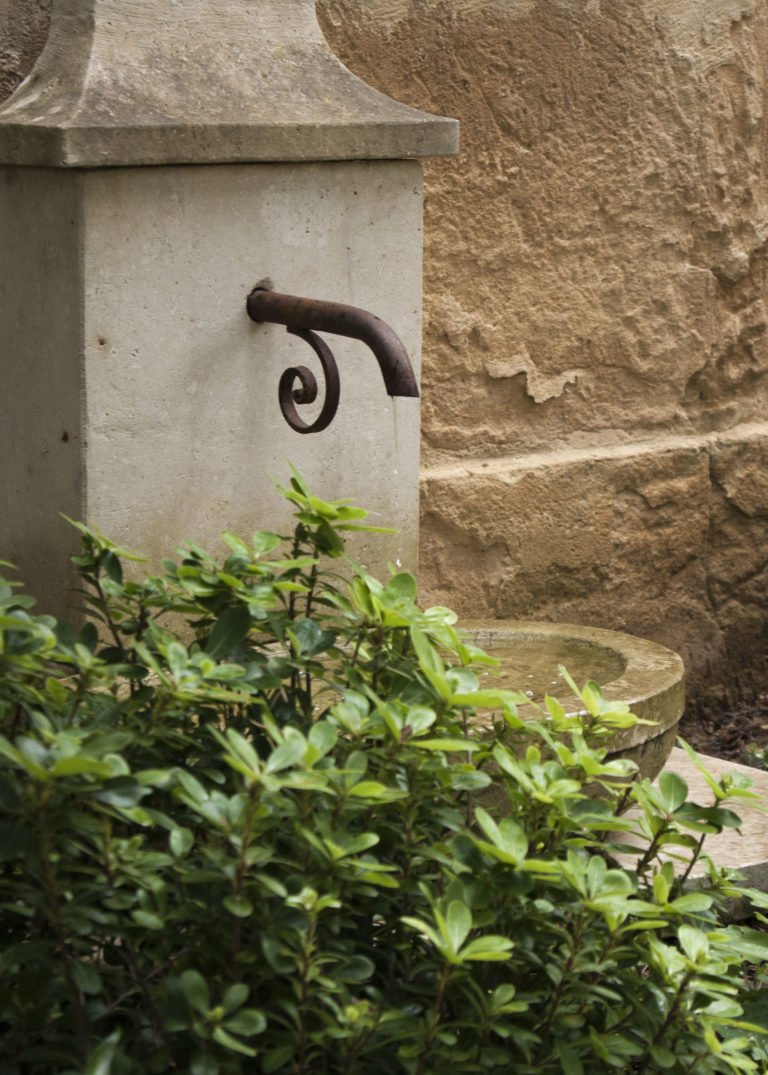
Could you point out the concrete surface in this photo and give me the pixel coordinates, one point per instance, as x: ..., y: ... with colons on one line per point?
x: 137, y: 394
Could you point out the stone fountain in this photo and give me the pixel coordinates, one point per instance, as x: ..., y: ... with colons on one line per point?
x: 161, y: 164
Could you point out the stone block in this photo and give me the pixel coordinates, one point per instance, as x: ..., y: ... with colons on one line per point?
x: 640, y: 538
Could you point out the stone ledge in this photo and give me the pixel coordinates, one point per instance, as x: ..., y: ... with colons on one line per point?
x: 510, y: 466
x: 100, y: 147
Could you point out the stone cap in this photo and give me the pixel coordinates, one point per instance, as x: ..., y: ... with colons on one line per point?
x: 200, y: 82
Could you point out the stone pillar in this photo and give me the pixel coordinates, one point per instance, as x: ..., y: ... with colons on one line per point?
x: 153, y: 169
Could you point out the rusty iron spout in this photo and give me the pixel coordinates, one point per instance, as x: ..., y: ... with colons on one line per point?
x: 336, y: 317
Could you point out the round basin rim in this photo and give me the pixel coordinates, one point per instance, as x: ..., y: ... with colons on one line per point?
x: 650, y: 668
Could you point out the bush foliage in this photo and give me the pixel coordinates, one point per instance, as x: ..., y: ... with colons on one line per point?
x: 245, y: 826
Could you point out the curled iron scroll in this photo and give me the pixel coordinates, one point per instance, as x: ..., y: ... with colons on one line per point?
x: 306, y: 391
x: 302, y: 316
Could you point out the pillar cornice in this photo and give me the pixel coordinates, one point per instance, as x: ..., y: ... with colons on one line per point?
x: 202, y: 81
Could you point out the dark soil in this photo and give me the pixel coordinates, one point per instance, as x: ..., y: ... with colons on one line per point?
x: 733, y: 733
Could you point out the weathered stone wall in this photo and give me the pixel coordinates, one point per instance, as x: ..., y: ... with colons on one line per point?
x: 23, y: 26
x: 594, y: 443
x: 594, y: 384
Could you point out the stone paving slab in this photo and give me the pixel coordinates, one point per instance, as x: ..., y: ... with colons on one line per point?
x: 747, y: 850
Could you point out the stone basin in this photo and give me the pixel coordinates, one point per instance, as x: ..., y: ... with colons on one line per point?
x: 650, y: 678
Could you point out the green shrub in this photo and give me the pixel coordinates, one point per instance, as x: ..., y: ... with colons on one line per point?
x: 243, y: 828
x: 756, y: 756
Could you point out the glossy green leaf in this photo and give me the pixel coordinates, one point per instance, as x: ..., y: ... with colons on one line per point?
x: 180, y: 842
x: 490, y: 699
x: 426, y: 653
x: 289, y: 752
x: 204, y: 1064
x: 235, y: 996
x: 310, y: 638
x: 323, y: 736
x: 178, y: 658
x: 693, y: 942
x: 357, y: 969
x: 458, y: 923
x: 673, y: 789
x: 15, y: 837
x: 461, y: 745
x: 372, y: 789
x: 247, y: 1022
x: 264, y: 541
x: 148, y: 920
x: 277, y: 1058
x: 81, y: 766
x: 100, y: 1060
x: 229, y: 631
x: 402, y: 589
x: 506, y: 837
x: 196, y: 991
x: 221, y: 1036
x: 239, y: 906
x: 662, y: 1056
x: 121, y: 791
x: 569, y: 1059
x: 487, y: 949
x: 87, y: 977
